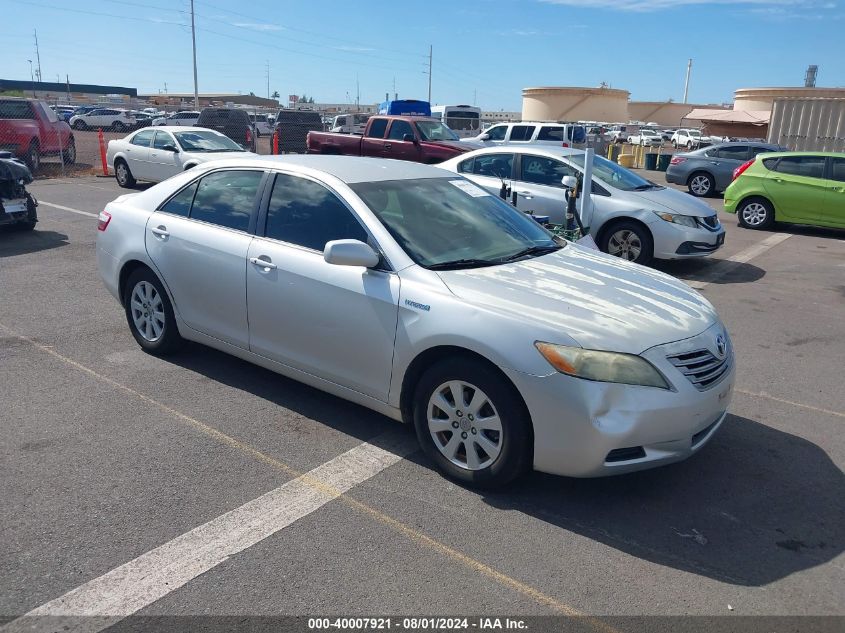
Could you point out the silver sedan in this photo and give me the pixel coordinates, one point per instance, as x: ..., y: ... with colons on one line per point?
x: 414, y: 292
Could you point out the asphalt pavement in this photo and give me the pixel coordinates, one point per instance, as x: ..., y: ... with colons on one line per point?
x: 112, y: 459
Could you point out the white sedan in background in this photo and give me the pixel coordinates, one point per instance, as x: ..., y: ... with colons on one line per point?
x: 154, y: 155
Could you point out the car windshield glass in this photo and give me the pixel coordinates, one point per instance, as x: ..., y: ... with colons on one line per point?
x: 206, y: 142
x: 450, y: 223
x: 694, y: 133
x: 614, y: 175
x: 435, y: 131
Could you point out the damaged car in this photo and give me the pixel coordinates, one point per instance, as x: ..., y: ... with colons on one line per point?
x: 17, y: 205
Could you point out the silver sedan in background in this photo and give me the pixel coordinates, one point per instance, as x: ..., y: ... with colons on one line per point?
x: 632, y: 217
x: 414, y: 292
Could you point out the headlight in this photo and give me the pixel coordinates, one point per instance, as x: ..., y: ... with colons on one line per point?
x: 627, y: 369
x: 674, y: 218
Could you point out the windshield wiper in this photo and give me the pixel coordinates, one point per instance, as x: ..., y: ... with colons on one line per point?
x: 456, y: 264
x: 532, y: 250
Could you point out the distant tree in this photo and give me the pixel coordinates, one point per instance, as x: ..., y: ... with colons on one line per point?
x: 275, y: 95
x: 251, y: 94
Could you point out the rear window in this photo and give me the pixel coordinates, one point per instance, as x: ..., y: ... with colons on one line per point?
x: 16, y: 110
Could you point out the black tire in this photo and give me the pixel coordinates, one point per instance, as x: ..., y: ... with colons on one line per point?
x: 675, y: 144
x: 515, y: 440
x: 643, y: 236
x: 169, y: 339
x: 118, y: 126
x: 69, y: 154
x: 761, y: 216
x: 701, y: 184
x: 33, y: 157
x: 123, y: 174
x: 80, y: 125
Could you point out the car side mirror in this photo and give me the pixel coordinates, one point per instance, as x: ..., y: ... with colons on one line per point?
x: 569, y: 182
x: 484, y: 137
x: 170, y: 147
x: 409, y: 138
x: 350, y: 253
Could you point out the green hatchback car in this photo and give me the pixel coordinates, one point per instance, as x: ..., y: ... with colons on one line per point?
x: 796, y: 187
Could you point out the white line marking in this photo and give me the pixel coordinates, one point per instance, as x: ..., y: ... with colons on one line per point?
x: 140, y: 582
x: 723, y: 267
x: 71, y: 209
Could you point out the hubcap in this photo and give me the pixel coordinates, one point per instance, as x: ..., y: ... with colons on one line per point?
x: 464, y: 425
x: 700, y: 185
x: 147, y: 311
x: 625, y: 244
x: 121, y: 173
x: 754, y: 214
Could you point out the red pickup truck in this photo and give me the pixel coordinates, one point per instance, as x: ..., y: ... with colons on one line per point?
x: 30, y: 129
x: 417, y: 139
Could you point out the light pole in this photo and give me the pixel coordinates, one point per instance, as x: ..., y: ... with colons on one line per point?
x: 31, y: 78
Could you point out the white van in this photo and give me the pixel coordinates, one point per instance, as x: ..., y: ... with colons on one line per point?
x: 350, y: 123
x: 533, y: 133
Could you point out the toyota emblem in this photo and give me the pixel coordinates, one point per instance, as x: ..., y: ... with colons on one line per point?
x: 721, y: 345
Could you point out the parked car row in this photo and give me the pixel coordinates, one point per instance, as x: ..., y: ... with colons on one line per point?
x: 29, y: 129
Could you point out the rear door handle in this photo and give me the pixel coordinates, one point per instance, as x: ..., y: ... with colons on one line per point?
x: 266, y: 264
x: 160, y: 231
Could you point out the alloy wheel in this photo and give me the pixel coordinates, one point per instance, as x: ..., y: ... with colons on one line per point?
x: 625, y: 244
x: 464, y: 425
x: 754, y: 214
x: 700, y: 185
x: 122, y: 173
x: 147, y: 311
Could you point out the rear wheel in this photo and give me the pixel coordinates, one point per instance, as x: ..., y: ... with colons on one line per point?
x: 701, y: 184
x: 69, y: 154
x: 755, y: 213
x: 628, y: 240
x: 122, y: 174
x: 118, y: 126
x: 472, y: 423
x: 33, y: 156
x: 149, y: 313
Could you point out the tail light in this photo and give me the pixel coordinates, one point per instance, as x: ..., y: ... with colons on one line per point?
x: 677, y: 160
x: 248, y: 135
x: 565, y: 144
x: 739, y: 170
x: 103, y: 220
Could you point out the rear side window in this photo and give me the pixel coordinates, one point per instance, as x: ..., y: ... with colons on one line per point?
x: 180, y: 204
x: 577, y: 134
x: 306, y: 213
x: 377, y: 128
x: 550, y: 134
x: 837, y: 169
x: 522, y: 132
x: 808, y: 166
x: 143, y: 138
x: 16, y: 110
x: 770, y: 163
x: 226, y: 198
x: 493, y: 165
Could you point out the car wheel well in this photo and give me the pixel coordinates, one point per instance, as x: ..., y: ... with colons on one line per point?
x: 434, y: 355
x: 702, y: 172
x: 189, y: 166
x: 612, y: 223
x: 759, y: 198
x: 128, y: 268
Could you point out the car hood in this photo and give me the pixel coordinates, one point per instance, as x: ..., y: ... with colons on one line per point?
x: 672, y: 200
x: 207, y: 156
x: 600, y: 301
x: 454, y: 145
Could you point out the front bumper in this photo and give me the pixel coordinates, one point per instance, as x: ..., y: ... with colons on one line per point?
x: 593, y: 429
x: 675, y: 241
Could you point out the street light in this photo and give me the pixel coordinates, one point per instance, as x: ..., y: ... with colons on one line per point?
x: 31, y: 78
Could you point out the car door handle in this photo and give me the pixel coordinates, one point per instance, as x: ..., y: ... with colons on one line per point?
x: 838, y: 189
x: 713, y: 162
x: 160, y: 231
x: 388, y: 146
x: 779, y: 180
x: 266, y: 264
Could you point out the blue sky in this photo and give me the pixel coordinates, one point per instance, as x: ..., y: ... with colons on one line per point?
x: 484, y: 50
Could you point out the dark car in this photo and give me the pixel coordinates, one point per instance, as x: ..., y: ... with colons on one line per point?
x: 293, y: 126
x: 232, y: 122
x: 710, y: 169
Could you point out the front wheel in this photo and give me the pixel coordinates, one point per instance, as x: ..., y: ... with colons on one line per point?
x: 118, y: 126
x: 629, y: 241
x: 472, y: 423
x: 755, y: 213
x: 69, y: 154
x: 123, y: 175
x: 701, y: 185
x: 149, y: 313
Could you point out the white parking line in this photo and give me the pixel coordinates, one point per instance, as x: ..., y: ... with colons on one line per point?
x: 140, y: 582
x: 64, y: 208
x: 725, y: 266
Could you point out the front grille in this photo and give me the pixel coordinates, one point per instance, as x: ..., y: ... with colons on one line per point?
x: 701, y: 367
x: 710, y: 221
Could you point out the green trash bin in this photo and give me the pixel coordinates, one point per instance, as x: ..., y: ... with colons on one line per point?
x: 663, y: 162
x: 651, y: 161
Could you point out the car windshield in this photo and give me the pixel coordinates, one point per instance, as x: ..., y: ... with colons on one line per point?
x: 612, y: 174
x: 694, y: 133
x: 450, y: 223
x: 435, y: 131
x: 206, y: 142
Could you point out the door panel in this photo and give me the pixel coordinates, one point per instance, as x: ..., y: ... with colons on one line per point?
x: 335, y: 322
x: 163, y: 164
x: 833, y: 211
x: 204, y: 267
x: 797, y: 188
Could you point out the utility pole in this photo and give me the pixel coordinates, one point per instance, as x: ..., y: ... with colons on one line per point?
x: 194, y: 44
x: 31, y: 78
x: 37, y: 56
x: 474, y: 96
x: 686, y: 83
x: 268, y: 78
x: 357, y: 94
x: 430, y: 57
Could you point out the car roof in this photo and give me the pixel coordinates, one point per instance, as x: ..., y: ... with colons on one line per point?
x: 181, y: 128
x: 780, y: 154
x: 349, y: 169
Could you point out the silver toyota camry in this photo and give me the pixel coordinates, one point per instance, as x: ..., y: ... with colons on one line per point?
x: 414, y: 292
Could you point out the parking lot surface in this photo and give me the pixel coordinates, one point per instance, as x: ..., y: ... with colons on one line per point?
x: 116, y: 460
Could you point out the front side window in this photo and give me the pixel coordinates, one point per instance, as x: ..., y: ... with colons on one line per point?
x: 399, y: 129
x: 226, y: 198
x: 522, y: 132
x: 807, y: 166
x: 16, y: 110
x: 377, y: 128
x: 493, y: 165
x: 306, y: 213
x: 162, y: 139
x: 544, y: 171
x: 452, y: 223
x: 497, y: 133
x: 143, y: 138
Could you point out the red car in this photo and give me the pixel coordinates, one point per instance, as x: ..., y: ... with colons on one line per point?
x: 29, y: 129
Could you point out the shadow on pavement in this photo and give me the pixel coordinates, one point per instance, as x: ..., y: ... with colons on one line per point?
x: 14, y: 241
x: 701, y: 269
x: 753, y: 507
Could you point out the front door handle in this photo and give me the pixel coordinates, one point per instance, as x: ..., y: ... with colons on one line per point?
x: 778, y: 180
x: 266, y: 264
x: 839, y: 189
x: 160, y: 231
x: 388, y: 146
